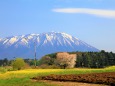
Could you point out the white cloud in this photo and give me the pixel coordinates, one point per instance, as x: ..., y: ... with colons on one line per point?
x: 96, y: 12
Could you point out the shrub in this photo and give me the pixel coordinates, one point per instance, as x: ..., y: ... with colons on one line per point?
x: 3, y: 70
x: 18, y: 64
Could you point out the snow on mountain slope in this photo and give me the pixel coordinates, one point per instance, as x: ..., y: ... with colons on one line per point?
x: 0, y: 39
x: 23, y: 46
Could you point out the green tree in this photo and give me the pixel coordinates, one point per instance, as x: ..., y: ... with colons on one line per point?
x: 5, y: 61
x: 46, y: 60
x: 18, y: 63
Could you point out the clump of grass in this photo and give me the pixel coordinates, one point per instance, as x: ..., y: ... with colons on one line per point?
x: 110, y: 67
x: 3, y: 70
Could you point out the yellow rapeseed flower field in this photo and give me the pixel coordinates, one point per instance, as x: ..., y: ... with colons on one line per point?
x: 27, y: 73
x: 36, y: 72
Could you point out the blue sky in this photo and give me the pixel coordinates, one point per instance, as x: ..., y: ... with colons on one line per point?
x: 92, y: 21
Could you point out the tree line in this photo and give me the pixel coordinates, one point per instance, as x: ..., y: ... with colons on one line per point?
x: 95, y: 59
x: 92, y: 59
x: 64, y: 60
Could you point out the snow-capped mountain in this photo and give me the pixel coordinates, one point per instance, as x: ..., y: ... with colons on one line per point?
x: 45, y: 43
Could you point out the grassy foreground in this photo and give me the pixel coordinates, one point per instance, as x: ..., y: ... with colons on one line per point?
x: 22, y: 77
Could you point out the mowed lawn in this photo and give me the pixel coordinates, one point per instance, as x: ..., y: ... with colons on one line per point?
x: 22, y: 77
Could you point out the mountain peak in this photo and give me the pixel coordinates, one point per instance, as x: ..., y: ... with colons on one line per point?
x: 46, y: 43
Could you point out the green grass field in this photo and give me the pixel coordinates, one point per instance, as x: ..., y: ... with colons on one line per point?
x: 22, y: 77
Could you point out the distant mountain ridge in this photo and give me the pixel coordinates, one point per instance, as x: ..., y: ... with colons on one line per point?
x: 46, y: 43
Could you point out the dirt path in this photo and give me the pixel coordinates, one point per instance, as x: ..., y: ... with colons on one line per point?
x: 58, y: 83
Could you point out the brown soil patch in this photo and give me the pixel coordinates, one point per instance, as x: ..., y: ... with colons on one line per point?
x: 97, y: 78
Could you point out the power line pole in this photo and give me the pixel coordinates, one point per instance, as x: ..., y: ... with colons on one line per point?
x: 35, y: 54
